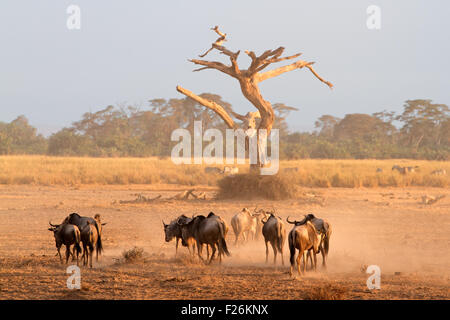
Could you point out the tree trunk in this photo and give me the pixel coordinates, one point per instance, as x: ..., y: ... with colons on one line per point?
x: 250, y: 90
x: 249, y: 80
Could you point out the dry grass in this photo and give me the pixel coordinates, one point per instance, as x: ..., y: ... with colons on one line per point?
x: 69, y: 171
x: 328, y: 292
x: 249, y: 186
x: 133, y: 255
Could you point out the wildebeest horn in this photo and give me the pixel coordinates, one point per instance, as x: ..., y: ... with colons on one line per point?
x: 163, y: 223
x: 104, y: 224
x: 291, y: 222
x: 53, y: 225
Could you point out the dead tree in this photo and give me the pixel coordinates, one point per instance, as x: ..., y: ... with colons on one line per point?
x: 249, y: 80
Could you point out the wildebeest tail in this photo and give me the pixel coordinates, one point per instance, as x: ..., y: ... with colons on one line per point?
x: 326, y: 239
x: 326, y: 244
x: 77, y: 240
x: 291, y: 240
x: 99, y: 246
x: 223, y: 243
x: 280, y: 239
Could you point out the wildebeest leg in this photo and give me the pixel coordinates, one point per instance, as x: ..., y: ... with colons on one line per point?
x: 267, y: 252
x: 299, y: 261
x: 207, y: 251
x: 59, y: 253
x: 213, y: 253
x: 199, y: 250
x: 274, y: 252
x: 83, y: 255
x: 324, y: 257
x: 67, y: 253
x: 176, y: 246
x: 304, y: 260
x: 237, y: 238
x: 219, y: 251
x: 315, y: 260
x: 73, y: 254
x: 91, y: 254
x: 310, y: 259
x: 292, y: 259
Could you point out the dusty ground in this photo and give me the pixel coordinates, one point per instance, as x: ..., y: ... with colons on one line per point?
x: 390, y: 228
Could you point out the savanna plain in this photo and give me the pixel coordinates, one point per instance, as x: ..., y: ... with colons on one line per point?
x: 378, y: 218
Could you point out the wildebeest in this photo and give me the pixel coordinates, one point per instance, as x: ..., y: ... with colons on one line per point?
x: 81, y: 222
x: 274, y: 232
x: 230, y: 170
x: 212, y: 215
x: 66, y: 234
x: 404, y: 170
x: 323, y: 227
x: 173, y: 230
x: 213, y: 170
x: 303, y: 237
x: 439, y: 172
x: 245, y: 224
x: 89, y: 238
x: 207, y: 230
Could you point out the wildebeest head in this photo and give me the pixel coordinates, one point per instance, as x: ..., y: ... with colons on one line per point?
x: 54, y: 227
x: 264, y: 215
x: 173, y: 229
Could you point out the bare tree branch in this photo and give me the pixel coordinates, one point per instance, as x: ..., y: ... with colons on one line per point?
x: 233, y: 57
x: 217, y: 108
x: 329, y: 84
x: 215, y: 65
x: 296, y: 65
x: 218, y: 42
x: 275, y: 60
x: 258, y: 61
x: 276, y: 72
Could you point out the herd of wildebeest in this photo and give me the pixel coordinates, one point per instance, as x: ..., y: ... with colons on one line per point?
x: 310, y: 236
x: 76, y: 230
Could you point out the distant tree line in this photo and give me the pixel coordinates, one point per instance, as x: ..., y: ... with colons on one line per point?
x: 421, y: 131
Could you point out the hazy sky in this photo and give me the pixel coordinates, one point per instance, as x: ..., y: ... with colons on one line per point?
x: 133, y: 51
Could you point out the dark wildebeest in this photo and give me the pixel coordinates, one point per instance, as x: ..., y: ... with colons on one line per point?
x: 66, y: 234
x: 82, y: 222
x: 303, y: 237
x: 324, y: 228
x: 212, y: 215
x: 173, y: 230
x: 89, y: 237
x: 274, y: 232
x: 207, y: 230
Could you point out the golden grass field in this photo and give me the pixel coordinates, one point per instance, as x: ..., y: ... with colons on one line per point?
x: 70, y: 171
